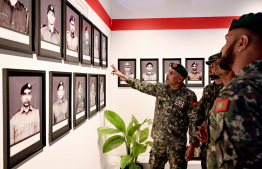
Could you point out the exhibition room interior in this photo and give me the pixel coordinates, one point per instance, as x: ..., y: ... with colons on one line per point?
x: 57, y: 55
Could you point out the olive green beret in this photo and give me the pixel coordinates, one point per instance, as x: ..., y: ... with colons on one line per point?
x: 213, y: 58
x: 180, y: 69
x: 250, y: 21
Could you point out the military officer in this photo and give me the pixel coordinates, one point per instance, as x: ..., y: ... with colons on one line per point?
x: 236, y: 130
x: 104, y: 49
x: 149, y: 75
x: 210, y: 93
x: 127, y: 72
x: 71, y: 37
x: 93, y: 95
x: 86, y: 44
x: 175, y: 112
x: 194, y: 74
x: 80, y: 101
x: 102, y: 95
x: 96, y: 50
x: 14, y: 15
x: 26, y: 121
x: 49, y: 32
x: 60, y: 107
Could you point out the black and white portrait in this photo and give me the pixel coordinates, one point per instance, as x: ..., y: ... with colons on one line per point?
x: 72, y: 29
x: 194, y: 68
x: 87, y: 43
x: 167, y: 65
x: 104, y: 50
x: 80, y: 95
x: 102, y: 90
x: 93, y: 93
x: 96, y: 46
x: 149, y: 70
x: 128, y: 68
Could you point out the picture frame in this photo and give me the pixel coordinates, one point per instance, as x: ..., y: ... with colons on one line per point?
x: 80, y: 95
x: 196, y: 72
x: 71, y: 34
x: 19, y: 35
x: 26, y: 88
x: 49, y: 30
x: 93, y: 94
x: 149, y: 71
x: 104, y: 51
x: 86, y: 40
x: 59, y: 104
x: 166, y: 65
x: 102, y: 91
x: 96, y: 46
x: 127, y: 67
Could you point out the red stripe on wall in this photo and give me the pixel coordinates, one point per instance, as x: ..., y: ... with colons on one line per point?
x: 172, y: 23
x: 100, y: 11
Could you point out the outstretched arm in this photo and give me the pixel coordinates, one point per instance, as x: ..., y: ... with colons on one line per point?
x: 115, y: 71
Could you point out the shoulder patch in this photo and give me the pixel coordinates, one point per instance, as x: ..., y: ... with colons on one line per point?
x: 221, y: 105
x: 194, y: 103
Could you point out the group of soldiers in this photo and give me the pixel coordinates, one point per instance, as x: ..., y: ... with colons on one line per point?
x: 227, y: 120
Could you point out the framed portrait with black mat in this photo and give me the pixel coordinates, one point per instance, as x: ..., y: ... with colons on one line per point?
x: 102, y: 91
x: 128, y: 68
x: 93, y: 94
x: 86, y: 40
x: 149, y: 71
x: 196, y: 72
x: 167, y: 62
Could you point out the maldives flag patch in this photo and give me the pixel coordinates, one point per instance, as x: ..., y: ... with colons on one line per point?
x: 221, y: 105
x: 194, y: 103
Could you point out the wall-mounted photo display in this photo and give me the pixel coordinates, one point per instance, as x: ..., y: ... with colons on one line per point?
x: 93, y: 94
x: 96, y: 46
x: 87, y: 29
x: 149, y: 70
x: 80, y: 93
x: 167, y: 62
x: 49, y: 28
x: 59, y: 104
x: 127, y: 67
x: 196, y: 71
x: 102, y: 91
x: 16, y: 25
x: 104, y: 51
x: 72, y: 26
x: 24, y: 114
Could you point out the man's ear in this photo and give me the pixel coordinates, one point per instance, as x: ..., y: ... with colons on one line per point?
x: 243, y: 43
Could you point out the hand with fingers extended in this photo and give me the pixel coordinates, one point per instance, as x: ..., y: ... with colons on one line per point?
x: 115, y: 71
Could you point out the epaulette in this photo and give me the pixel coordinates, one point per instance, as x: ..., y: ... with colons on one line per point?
x: 23, y: 6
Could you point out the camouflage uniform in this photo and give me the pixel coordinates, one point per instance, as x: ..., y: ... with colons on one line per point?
x: 210, y: 94
x: 174, y: 112
x: 236, y: 121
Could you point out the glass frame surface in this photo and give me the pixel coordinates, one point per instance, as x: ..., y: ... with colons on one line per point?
x: 156, y: 70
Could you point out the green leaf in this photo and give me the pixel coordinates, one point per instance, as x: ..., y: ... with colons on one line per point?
x: 112, y: 143
x: 143, y: 135
x: 150, y: 122
x: 134, y: 138
x: 130, y: 125
x: 137, y: 149
x: 116, y: 120
x: 150, y: 143
x: 107, y: 131
x: 124, y: 160
x: 135, y: 120
x: 133, y: 129
x: 134, y: 166
x: 144, y: 149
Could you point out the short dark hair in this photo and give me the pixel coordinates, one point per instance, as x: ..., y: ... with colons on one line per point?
x: 149, y: 63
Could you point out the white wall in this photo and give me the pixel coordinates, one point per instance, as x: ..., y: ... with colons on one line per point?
x: 81, y: 147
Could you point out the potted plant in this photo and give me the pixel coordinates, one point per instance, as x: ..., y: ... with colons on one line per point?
x: 133, y: 137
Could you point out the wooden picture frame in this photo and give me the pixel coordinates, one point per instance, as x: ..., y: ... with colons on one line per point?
x: 149, y: 70
x: 166, y: 65
x: 29, y: 87
x: 127, y: 67
x: 196, y: 72
x: 92, y: 94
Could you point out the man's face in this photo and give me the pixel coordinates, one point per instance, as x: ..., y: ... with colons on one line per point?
x: 149, y: 68
x: 127, y: 68
x: 51, y: 18
x: 194, y: 67
x: 26, y: 97
x: 218, y: 70
x: 86, y: 35
x: 72, y: 26
x: 211, y: 69
x: 80, y: 89
x: 60, y: 92
x: 172, y: 77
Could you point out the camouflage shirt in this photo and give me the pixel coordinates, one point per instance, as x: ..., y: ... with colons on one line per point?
x: 236, y: 130
x: 174, y: 112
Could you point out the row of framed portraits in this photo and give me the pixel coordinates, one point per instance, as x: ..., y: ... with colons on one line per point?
x: 24, y: 107
x: 149, y: 70
x: 54, y: 29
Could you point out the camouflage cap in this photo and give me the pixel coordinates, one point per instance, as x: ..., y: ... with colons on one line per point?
x: 26, y: 86
x: 180, y: 69
x: 213, y: 58
x: 250, y: 21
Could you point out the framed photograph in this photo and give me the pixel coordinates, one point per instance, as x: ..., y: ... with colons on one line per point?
x: 80, y: 93
x: 127, y: 67
x: 72, y: 26
x: 104, y: 51
x: 87, y: 29
x: 96, y: 46
x: 196, y: 72
x: 49, y: 28
x: 167, y: 62
x: 149, y: 70
x: 24, y: 114
x: 16, y: 33
x: 93, y: 97
x: 102, y: 91
x: 59, y: 104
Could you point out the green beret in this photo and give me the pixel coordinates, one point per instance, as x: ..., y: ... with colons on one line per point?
x: 213, y: 58
x: 250, y: 21
x: 180, y: 69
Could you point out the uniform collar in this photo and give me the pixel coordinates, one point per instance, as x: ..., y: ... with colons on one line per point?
x: 63, y: 100
x: 256, y: 65
x: 150, y: 74
x: 17, y: 5
x: 194, y: 72
x: 24, y: 111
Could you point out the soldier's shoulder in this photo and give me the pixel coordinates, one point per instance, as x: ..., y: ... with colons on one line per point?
x: 23, y: 6
x: 33, y: 108
x: 56, y: 31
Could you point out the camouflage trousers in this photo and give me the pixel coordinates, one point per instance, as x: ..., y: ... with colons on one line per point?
x: 203, y: 156
x: 211, y: 158
x: 161, y: 153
